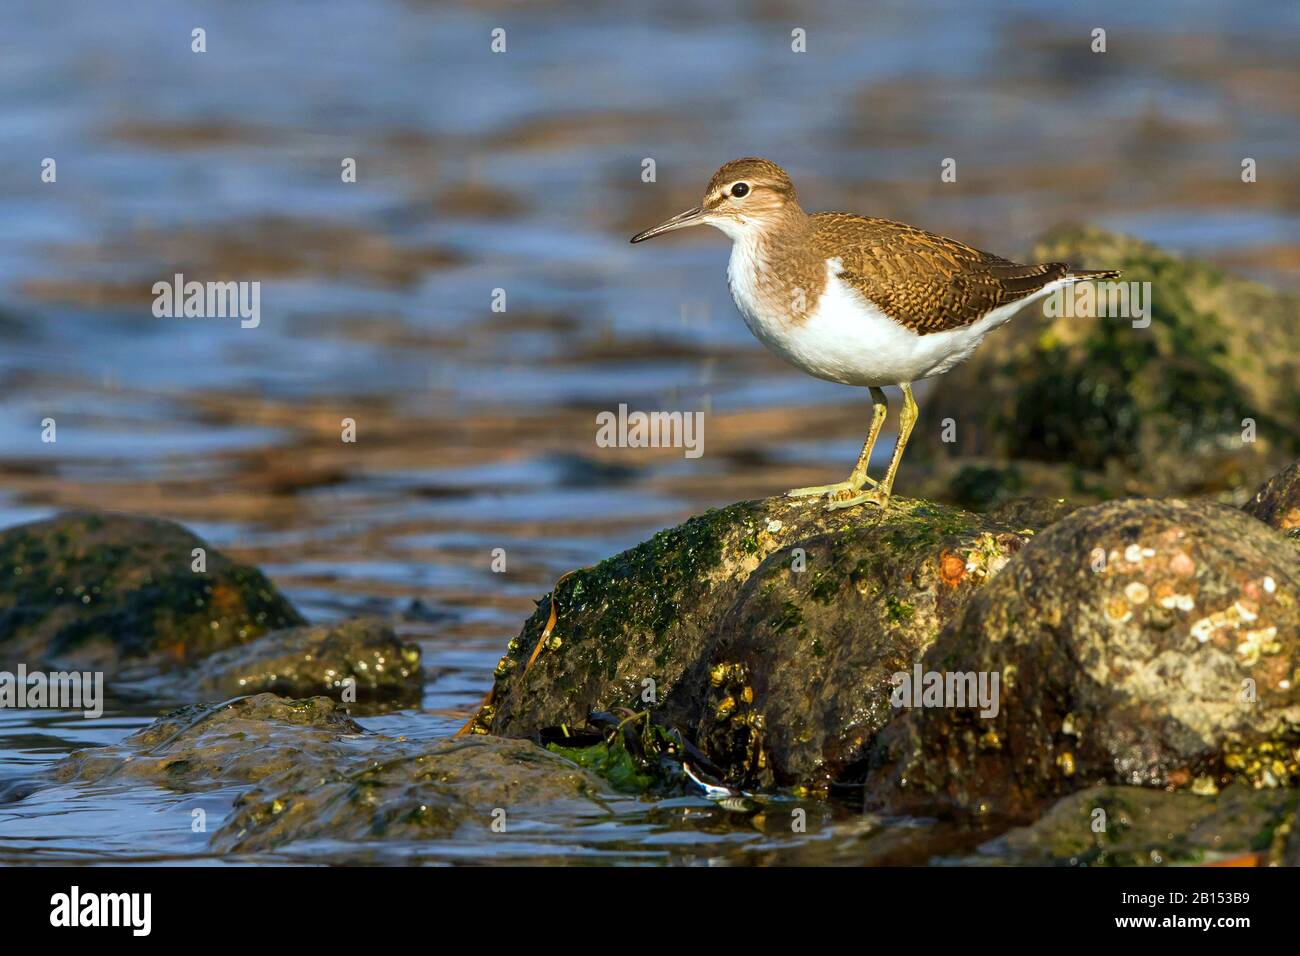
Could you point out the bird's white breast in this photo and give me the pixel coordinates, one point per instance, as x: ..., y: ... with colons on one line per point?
x: 845, y: 338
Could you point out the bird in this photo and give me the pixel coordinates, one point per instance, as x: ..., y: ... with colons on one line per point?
x: 859, y: 300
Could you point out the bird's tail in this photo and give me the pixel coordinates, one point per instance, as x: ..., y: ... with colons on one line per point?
x: 1091, y: 275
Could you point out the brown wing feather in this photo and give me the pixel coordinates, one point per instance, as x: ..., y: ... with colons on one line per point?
x: 926, y: 282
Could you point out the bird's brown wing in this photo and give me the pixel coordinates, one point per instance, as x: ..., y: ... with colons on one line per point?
x: 923, y: 281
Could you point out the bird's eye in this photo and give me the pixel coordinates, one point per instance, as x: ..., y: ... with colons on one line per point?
x: 740, y: 189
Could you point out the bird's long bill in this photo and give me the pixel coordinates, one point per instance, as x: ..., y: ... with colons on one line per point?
x: 691, y: 217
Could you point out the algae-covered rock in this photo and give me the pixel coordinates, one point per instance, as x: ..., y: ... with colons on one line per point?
x: 645, y: 614
x: 308, y: 771
x: 800, y: 674
x: 1290, y: 832
x: 241, y: 741
x: 1134, y: 826
x: 1205, y: 399
x: 766, y: 630
x: 1140, y: 642
x: 483, y: 782
x: 1103, y: 825
x: 100, y: 590
x: 1277, y: 503
x: 321, y: 659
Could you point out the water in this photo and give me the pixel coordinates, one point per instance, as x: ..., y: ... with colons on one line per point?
x: 522, y: 172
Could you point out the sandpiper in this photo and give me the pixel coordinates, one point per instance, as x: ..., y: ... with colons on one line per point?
x: 857, y: 300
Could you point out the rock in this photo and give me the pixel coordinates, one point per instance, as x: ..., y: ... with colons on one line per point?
x: 1029, y: 512
x: 1098, y: 826
x: 1291, y: 852
x: 472, y: 782
x: 778, y: 673
x: 1139, y: 642
x: 1133, y: 826
x: 96, y: 591
x: 645, y: 613
x: 117, y: 593
x: 801, y: 666
x: 244, y: 741
x: 1093, y: 408
x: 308, y: 771
x: 301, y: 661
x: 1277, y: 503
x: 868, y: 841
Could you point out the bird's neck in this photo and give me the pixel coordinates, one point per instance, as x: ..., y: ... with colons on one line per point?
x: 776, y: 267
x: 781, y: 243
x: 785, y: 227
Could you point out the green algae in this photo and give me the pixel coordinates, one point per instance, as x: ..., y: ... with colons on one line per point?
x: 789, y: 619
x: 611, y: 761
x: 899, y: 611
x: 634, y: 755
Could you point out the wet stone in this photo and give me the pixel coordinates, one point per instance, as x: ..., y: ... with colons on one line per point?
x: 768, y: 631
x: 365, y: 654
x: 246, y: 740
x: 1132, y: 826
x: 309, y: 772
x: 474, y: 782
x: 801, y: 674
x: 1277, y: 503
x: 1141, y: 642
x: 99, y: 591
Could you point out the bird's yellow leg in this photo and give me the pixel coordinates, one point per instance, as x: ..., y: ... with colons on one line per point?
x: 858, y: 477
x: 881, y: 493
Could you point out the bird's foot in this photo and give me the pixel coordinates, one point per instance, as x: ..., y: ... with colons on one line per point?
x: 838, y: 488
x: 878, y: 497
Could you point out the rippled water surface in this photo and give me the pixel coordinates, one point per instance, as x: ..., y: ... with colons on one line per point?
x: 522, y: 172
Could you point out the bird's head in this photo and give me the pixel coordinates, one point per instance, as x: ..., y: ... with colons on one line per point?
x: 744, y: 197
